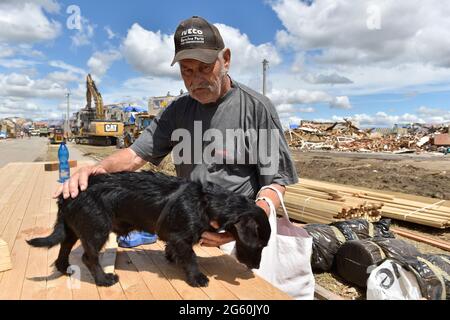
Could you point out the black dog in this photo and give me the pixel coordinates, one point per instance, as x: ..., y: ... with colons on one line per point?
x: 178, y: 210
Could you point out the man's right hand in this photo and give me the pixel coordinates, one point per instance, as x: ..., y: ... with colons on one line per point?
x: 78, y: 180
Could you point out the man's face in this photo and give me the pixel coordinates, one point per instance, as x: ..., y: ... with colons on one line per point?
x: 203, y: 81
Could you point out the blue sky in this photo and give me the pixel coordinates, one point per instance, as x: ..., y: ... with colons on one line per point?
x: 376, y: 62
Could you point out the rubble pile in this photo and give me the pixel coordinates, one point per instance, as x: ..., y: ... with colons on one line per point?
x: 344, y: 136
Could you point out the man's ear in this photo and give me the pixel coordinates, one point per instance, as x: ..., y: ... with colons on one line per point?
x: 247, y: 230
x: 227, y: 58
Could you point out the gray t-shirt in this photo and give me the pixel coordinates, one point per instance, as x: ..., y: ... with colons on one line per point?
x: 243, y: 164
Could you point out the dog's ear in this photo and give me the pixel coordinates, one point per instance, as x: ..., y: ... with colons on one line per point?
x: 247, y: 230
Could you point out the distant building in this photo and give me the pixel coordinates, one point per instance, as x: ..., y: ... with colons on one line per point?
x: 156, y: 104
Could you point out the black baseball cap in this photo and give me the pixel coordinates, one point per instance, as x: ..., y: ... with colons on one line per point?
x: 196, y: 38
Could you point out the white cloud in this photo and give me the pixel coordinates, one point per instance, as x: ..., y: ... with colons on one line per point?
x: 35, y: 110
x: 100, y: 62
x: 84, y: 35
x: 427, y: 111
x: 149, y: 52
x: 6, y: 51
x: 340, y: 103
x: 382, y: 119
x: 63, y: 77
x: 246, y: 57
x: 17, y: 63
x: 25, y: 21
x: 288, y: 113
x: 110, y: 33
x: 333, y: 36
x: 152, y: 52
x: 65, y: 66
x: 434, y: 115
x: 290, y: 108
x: 300, y: 96
x: 299, y: 63
x: 22, y: 86
x: 410, y: 31
x: 307, y: 110
x: 137, y: 90
x: 332, y: 78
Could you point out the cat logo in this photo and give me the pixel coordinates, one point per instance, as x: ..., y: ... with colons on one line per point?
x: 111, y: 127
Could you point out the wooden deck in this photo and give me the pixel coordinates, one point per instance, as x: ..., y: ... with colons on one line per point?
x: 28, y: 210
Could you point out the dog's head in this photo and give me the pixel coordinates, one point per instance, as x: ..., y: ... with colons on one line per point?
x: 239, y: 215
x: 252, y: 233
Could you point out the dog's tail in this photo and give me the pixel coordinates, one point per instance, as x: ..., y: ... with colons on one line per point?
x: 57, y: 236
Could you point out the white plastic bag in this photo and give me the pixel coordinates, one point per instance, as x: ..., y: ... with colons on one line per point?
x: 390, y: 281
x: 286, y: 261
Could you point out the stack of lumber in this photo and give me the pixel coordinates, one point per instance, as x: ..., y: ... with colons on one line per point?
x: 313, y: 203
x: 322, y: 202
x: 434, y: 215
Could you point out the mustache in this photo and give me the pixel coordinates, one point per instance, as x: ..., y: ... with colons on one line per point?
x: 204, y: 85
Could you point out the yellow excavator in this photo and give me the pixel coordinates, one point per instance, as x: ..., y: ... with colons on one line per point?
x: 92, y: 127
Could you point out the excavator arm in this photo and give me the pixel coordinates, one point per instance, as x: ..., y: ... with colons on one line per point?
x: 93, y: 92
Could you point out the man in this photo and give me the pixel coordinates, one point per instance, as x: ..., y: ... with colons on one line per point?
x: 215, y: 104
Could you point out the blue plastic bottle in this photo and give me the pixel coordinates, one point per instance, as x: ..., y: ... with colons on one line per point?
x: 64, y: 168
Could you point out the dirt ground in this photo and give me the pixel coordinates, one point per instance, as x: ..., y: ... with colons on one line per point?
x: 424, y: 175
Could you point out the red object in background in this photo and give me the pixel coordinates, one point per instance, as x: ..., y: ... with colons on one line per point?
x: 442, y: 139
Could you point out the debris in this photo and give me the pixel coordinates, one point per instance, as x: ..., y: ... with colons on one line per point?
x: 344, y: 136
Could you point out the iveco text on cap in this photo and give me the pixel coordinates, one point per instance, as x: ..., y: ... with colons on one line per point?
x: 196, y: 38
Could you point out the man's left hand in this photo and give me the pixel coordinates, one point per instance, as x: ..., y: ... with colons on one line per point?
x: 214, y: 239
x: 264, y: 205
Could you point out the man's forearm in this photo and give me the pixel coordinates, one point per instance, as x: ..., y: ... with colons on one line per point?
x: 272, y: 195
x: 123, y: 160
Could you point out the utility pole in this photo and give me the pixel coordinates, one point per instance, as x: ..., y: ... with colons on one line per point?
x: 265, y: 65
x: 67, y: 126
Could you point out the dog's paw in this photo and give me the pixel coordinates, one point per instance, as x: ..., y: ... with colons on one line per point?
x: 62, y: 266
x: 198, y: 280
x: 108, y: 280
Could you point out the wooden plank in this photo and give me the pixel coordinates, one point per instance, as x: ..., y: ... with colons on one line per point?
x: 54, y: 166
x: 153, y: 277
x: 174, y: 274
x: 81, y: 281
x: 8, y: 182
x: 12, y: 281
x: 130, y: 279
x: 114, y: 292
x: 9, y: 198
x: 242, y: 282
x: 34, y: 285
x: 58, y: 286
x: 215, y: 289
x: 5, y: 257
x: 414, y: 236
x: 320, y: 293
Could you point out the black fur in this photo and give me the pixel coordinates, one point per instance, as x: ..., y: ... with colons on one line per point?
x: 126, y: 201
